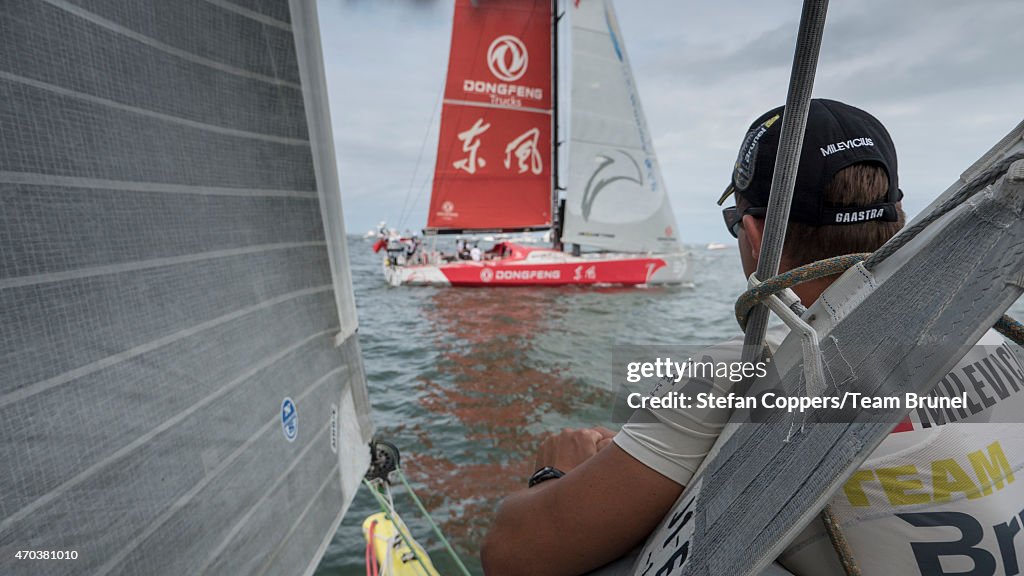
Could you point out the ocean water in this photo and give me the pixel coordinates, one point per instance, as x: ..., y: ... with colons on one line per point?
x: 467, y: 381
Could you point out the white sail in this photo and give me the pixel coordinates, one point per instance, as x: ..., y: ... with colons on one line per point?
x: 616, y: 197
x: 181, y: 388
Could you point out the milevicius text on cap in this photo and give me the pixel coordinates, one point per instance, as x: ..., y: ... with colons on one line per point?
x: 838, y: 135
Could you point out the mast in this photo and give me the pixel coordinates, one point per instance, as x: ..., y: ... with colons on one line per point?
x: 556, y: 215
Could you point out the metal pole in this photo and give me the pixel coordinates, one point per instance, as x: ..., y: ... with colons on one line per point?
x: 794, y: 122
x: 556, y: 237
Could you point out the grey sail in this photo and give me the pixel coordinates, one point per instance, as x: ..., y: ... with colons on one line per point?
x: 181, y: 389
x: 616, y: 197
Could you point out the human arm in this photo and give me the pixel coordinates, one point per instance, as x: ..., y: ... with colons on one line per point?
x: 598, y: 511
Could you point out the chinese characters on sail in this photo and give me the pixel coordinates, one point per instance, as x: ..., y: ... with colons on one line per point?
x: 523, y: 149
x: 492, y: 164
x: 494, y: 157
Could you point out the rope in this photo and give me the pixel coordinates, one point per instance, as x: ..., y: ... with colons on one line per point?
x: 406, y: 208
x: 372, y: 566
x: 820, y: 269
x: 839, y: 542
x: 437, y: 530
x: 978, y: 183
x: 387, y: 506
x: 389, y: 511
x: 1011, y: 328
x: 1006, y: 325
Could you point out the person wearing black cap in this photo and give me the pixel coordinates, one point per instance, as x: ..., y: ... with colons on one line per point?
x: 846, y: 199
x: 932, y: 499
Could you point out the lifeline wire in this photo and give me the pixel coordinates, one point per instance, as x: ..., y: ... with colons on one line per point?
x: 440, y: 535
x: 388, y: 510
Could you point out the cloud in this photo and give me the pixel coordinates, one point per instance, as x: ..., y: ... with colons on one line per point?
x: 939, y: 73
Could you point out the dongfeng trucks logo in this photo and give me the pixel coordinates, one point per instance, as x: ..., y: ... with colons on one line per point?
x: 507, y: 58
x: 448, y: 210
x: 486, y: 275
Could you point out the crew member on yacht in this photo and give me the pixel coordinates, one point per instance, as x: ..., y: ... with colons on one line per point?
x: 936, y: 497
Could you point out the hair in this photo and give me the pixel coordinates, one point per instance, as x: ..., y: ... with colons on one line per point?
x: 855, y: 185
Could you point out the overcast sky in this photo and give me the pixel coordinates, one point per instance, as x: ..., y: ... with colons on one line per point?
x: 943, y: 75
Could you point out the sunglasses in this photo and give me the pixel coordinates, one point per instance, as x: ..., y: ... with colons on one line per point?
x: 734, y: 219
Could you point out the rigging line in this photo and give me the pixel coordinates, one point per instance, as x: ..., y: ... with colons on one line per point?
x: 406, y: 211
x: 416, y: 200
x: 989, y: 176
x: 437, y: 530
x: 794, y: 122
x: 388, y: 508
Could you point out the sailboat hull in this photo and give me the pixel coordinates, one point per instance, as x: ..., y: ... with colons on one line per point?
x: 547, y: 267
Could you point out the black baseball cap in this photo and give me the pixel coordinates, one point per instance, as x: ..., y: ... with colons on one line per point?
x: 838, y: 135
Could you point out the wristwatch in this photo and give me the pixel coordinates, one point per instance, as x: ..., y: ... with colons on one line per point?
x: 544, y: 474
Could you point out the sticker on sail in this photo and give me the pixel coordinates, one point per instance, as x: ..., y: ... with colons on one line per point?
x: 668, y: 548
x: 334, y: 428
x: 289, y: 419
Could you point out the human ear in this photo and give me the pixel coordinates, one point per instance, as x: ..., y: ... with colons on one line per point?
x: 753, y: 228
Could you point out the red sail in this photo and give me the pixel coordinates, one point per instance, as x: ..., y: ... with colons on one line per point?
x: 495, y: 150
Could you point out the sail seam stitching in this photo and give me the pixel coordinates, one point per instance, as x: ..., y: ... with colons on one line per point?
x: 153, y: 43
x: 151, y: 113
x: 80, y: 273
x: 277, y: 483
x: 181, y: 502
x: 127, y: 449
x: 251, y: 14
x: 298, y: 521
x: 37, y: 179
x: 31, y: 390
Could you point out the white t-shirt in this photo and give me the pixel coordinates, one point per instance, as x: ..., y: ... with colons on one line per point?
x: 474, y: 253
x: 933, y: 499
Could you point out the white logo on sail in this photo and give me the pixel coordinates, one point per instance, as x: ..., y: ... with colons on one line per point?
x: 448, y: 210
x: 470, y: 144
x: 507, y: 58
x: 524, y: 148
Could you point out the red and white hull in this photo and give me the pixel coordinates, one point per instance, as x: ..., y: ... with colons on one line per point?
x: 547, y: 267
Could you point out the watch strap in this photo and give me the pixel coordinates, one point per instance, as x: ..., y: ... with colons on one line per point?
x: 544, y: 474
